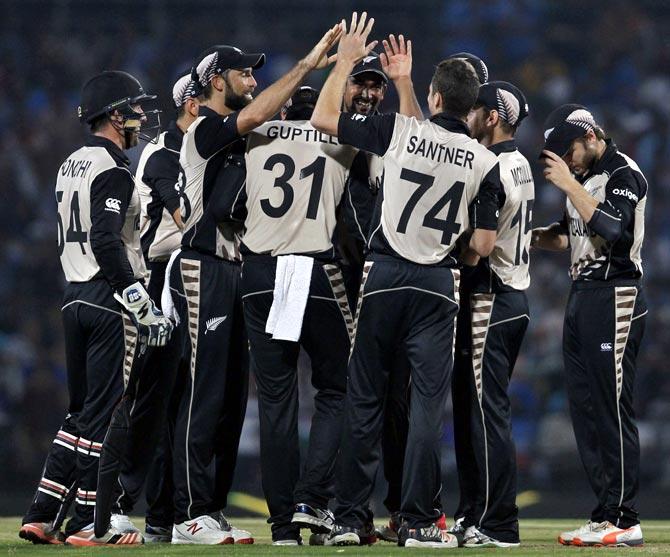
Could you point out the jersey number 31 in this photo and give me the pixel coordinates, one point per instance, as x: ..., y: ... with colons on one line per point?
x: 315, y: 169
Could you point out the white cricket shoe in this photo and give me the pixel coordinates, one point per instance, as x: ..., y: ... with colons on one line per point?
x: 203, y: 530
x: 474, y: 537
x: 606, y: 534
x: 239, y: 535
x: 566, y: 538
x: 122, y: 523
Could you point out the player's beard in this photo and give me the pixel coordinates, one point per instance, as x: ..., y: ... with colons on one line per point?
x: 237, y: 102
x: 363, y: 105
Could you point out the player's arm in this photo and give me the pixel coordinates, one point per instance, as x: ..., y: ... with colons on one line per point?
x: 483, y: 214
x: 552, y: 238
x: 270, y: 101
x: 111, y: 193
x: 397, y: 64
x: 612, y: 216
x: 160, y: 174
x: 608, y: 219
x: 107, y: 219
x: 215, y: 132
x: 351, y: 49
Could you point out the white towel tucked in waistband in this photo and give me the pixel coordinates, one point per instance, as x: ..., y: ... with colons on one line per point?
x: 292, y: 280
x: 167, y: 304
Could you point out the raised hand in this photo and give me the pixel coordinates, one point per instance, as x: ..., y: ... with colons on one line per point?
x: 318, y: 57
x: 397, y: 57
x: 353, y: 47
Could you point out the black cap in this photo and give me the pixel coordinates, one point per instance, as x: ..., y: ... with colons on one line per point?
x: 476, y: 62
x: 304, y: 95
x: 219, y: 58
x: 565, y: 124
x: 301, y: 104
x: 370, y: 64
x: 185, y: 88
x: 507, y: 99
x: 108, y: 91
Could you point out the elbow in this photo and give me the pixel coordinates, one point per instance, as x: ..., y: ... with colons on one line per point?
x: 325, y: 122
x: 483, y: 242
x: 317, y: 121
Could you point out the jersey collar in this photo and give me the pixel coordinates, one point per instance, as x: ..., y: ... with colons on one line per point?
x: 112, y: 148
x: 450, y: 123
x: 173, y: 136
x: 603, y: 162
x: 503, y: 147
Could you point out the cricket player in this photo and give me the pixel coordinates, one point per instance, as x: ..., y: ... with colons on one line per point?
x: 603, y: 227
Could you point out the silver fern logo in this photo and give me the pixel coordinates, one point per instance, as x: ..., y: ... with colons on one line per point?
x: 213, y: 323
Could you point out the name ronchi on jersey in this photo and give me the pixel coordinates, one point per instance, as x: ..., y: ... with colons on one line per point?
x: 75, y: 168
x: 438, y: 152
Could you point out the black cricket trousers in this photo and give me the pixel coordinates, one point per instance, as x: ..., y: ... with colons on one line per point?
x: 603, y: 328
x: 101, y: 351
x: 490, y: 331
x: 148, y: 455
x: 410, y: 306
x: 325, y: 336
x: 213, y: 404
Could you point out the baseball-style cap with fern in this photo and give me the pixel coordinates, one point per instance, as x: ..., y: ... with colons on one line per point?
x: 565, y: 124
x: 506, y: 98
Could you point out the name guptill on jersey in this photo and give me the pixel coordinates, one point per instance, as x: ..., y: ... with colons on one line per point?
x: 295, y: 134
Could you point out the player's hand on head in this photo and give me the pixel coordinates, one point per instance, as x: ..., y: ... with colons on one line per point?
x: 318, y: 57
x: 556, y: 170
x: 353, y: 42
x: 397, y: 57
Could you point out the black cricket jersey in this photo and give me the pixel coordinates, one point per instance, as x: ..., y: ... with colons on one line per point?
x: 157, y: 182
x: 608, y: 247
x: 434, y: 176
x: 212, y: 206
x: 98, y: 216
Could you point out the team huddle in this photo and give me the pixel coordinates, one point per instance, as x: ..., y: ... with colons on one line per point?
x: 394, y: 250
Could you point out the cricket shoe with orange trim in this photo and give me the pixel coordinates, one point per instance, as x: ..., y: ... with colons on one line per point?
x: 566, y: 538
x: 87, y: 537
x: 204, y: 530
x: 41, y: 533
x: 607, y: 535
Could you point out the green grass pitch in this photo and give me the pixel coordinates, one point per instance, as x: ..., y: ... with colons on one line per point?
x: 538, y: 538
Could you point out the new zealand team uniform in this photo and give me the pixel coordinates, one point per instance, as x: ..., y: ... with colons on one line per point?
x: 205, y: 280
x: 295, y: 184
x: 99, y: 245
x: 433, y: 175
x: 149, y: 449
x: 492, y: 322
x: 603, y: 329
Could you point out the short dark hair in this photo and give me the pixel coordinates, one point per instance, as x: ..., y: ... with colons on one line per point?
x: 505, y: 126
x: 99, y: 123
x: 207, y: 92
x: 457, y: 84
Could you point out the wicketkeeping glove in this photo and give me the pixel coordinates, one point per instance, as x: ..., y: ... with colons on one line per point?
x: 150, y: 322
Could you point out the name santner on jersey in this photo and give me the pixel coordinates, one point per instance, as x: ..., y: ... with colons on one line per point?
x: 437, y: 180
